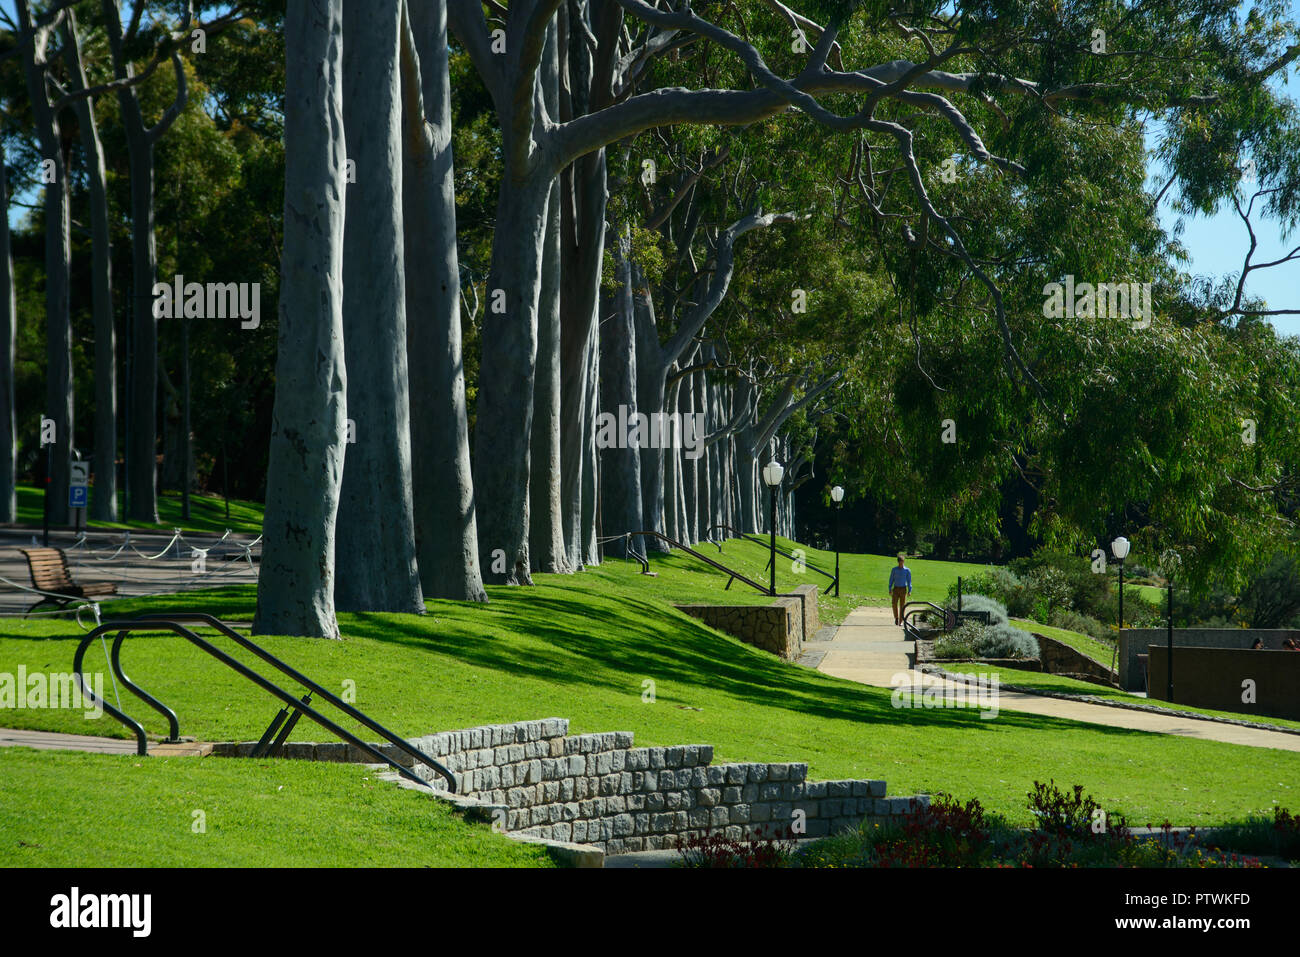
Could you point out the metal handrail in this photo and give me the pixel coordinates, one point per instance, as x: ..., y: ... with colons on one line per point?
x: 917, y: 608
x: 645, y: 562
x: 173, y: 623
x: 753, y: 538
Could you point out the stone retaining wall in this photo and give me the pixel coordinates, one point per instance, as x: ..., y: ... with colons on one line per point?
x: 533, y: 779
x: 1058, y: 658
x: 781, y: 627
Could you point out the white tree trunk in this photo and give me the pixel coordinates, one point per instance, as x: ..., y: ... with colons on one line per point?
x: 103, y: 504
x: 446, y: 527
x: 620, y: 472
x: 8, y: 335
x: 58, y: 265
x: 545, y: 512
x: 375, y: 567
x: 295, y: 594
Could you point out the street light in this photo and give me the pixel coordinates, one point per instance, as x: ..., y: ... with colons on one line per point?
x: 837, y: 496
x: 1119, y: 548
x: 773, y: 472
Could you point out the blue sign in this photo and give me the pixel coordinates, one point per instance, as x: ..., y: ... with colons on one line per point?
x: 77, y: 496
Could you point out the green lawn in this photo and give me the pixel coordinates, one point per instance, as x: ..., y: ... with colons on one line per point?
x: 63, y: 809
x: 1086, y: 645
x: 1038, y: 680
x: 207, y: 513
x: 583, y: 647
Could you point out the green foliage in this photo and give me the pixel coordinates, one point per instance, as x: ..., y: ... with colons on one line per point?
x: 1006, y: 641
x: 960, y: 642
x: 977, y: 602
x: 1272, y: 599
x: 1072, y: 620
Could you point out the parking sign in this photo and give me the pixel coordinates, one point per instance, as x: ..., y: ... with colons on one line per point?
x: 78, y: 485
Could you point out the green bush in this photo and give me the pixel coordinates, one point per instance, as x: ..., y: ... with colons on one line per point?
x: 1083, y: 624
x: 976, y: 602
x: 994, y: 581
x: 960, y: 642
x: 973, y: 640
x: 1058, y: 579
x: 1005, y: 641
x: 1272, y: 599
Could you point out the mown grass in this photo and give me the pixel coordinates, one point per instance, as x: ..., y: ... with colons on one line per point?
x: 207, y: 513
x: 1085, y: 645
x: 585, y: 647
x: 65, y: 809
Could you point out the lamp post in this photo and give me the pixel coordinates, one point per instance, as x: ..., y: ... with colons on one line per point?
x: 837, y: 496
x: 773, y: 472
x: 1119, y: 548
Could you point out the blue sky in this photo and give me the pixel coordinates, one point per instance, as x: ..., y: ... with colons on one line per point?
x: 1217, y: 244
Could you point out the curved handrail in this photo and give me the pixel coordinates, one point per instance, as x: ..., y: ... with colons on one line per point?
x: 918, y: 608
x: 753, y: 538
x: 172, y: 623
x: 704, y: 558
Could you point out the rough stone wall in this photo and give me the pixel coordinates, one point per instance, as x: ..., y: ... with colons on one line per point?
x: 1059, y: 658
x: 534, y: 779
x: 811, y: 614
x: 777, y: 627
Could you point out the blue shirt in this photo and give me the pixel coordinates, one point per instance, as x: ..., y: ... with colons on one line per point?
x: 900, y: 578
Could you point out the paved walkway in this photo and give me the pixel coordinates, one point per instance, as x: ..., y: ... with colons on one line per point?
x: 54, y: 741
x: 870, y: 650
x: 145, y: 567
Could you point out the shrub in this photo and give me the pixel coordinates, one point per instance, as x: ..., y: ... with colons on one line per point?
x: 976, y: 602
x: 765, y: 848
x: 1064, y: 580
x: 960, y: 642
x: 1004, y: 641
x: 1272, y: 599
x: 1083, y: 624
x: 994, y: 581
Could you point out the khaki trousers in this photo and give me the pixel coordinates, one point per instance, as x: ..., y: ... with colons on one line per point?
x: 899, y: 595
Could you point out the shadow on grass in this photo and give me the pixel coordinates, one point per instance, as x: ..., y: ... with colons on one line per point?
x: 607, y: 639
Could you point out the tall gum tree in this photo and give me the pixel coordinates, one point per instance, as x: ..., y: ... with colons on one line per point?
x: 295, y: 593
x: 446, y: 527
x: 58, y: 255
x: 103, y: 503
x: 537, y: 149
x: 8, y: 335
x: 375, y: 567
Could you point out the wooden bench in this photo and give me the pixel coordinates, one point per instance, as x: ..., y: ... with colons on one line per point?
x: 50, y: 573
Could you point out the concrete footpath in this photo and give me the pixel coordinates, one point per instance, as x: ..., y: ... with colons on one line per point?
x: 869, y: 649
x: 56, y: 741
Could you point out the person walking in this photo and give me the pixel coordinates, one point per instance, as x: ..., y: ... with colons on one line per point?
x: 900, y: 586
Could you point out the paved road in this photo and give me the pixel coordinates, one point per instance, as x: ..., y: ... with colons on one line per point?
x: 870, y: 650
x: 136, y: 569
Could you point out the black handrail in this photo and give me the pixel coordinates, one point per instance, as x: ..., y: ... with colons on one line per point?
x: 172, y: 623
x: 768, y: 545
x: 918, y: 608
x: 645, y: 562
